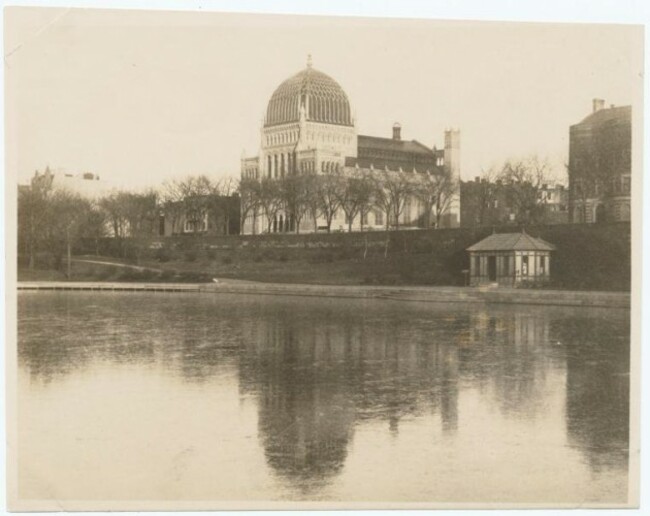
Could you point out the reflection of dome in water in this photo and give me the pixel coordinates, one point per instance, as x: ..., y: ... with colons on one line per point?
x: 322, y: 97
x: 304, y: 439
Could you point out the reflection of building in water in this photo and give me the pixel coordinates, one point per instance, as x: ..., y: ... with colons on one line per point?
x: 305, y: 415
x: 53, y: 335
x: 314, y: 382
x: 316, y: 369
x: 598, y: 389
x: 506, y: 354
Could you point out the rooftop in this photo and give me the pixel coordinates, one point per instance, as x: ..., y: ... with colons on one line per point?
x: 392, y: 145
x: 607, y: 114
x: 322, y: 98
x: 511, y: 242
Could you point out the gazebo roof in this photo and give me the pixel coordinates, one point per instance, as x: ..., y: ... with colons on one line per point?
x: 511, y: 242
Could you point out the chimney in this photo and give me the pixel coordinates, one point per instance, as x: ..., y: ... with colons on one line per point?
x: 397, y: 130
x: 598, y: 104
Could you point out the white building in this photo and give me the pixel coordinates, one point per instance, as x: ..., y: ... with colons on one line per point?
x: 87, y: 184
x: 309, y: 129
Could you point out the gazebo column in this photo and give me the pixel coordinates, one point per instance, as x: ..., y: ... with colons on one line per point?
x: 517, y: 273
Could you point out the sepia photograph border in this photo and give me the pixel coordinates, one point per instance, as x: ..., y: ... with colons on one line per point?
x: 501, y: 10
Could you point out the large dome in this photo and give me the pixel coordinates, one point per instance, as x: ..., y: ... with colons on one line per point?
x: 323, y: 98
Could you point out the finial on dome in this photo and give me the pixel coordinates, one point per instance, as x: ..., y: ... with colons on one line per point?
x: 308, y: 60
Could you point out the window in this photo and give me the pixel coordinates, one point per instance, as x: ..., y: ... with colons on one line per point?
x: 477, y: 265
x: 524, y: 265
x: 542, y: 264
x: 379, y: 218
x: 506, y: 265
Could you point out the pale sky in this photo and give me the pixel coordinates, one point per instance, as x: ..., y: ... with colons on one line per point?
x: 140, y: 97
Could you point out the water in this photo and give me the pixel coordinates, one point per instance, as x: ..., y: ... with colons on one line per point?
x: 141, y: 396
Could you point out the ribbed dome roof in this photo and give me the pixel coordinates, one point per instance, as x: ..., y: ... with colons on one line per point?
x: 323, y: 98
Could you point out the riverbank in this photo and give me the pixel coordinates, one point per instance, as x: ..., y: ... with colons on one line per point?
x: 588, y: 257
x: 403, y: 293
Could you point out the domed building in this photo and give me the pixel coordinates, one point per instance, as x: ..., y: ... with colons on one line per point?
x: 309, y: 128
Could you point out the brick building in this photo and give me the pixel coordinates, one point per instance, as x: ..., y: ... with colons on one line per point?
x: 491, y: 203
x: 600, y: 148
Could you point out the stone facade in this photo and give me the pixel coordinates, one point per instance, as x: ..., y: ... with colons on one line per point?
x: 309, y: 129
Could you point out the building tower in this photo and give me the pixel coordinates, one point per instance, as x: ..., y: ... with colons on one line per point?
x: 452, y: 166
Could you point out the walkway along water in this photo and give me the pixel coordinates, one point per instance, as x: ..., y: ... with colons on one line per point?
x: 421, y: 294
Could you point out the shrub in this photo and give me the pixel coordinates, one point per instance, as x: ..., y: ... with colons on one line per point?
x: 346, y: 253
x: 191, y: 255
x: 163, y: 254
x: 370, y: 280
x: 422, y: 246
x: 195, y: 277
x: 129, y: 275
x: 211, y: 254
x: 226, y: 260
x: 322, y: 257
x: 147, y: 274
x: 167, y: 274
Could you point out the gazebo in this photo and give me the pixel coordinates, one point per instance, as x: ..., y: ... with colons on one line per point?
x: 509, y: 259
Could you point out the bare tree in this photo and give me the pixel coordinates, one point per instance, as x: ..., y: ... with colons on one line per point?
x: 525, y: 179
x: 436, y: 192
x: 270, y: 200
x: 328, y: 187
x: 195, y: 191
x: 391, y: 191
x: 220, y: 202
x: 33, y: 216
x: 295, y: 192
x: 312, y: 199
x: 249, y: 199
x: 171, y: 199
x: 141, y: 213
x: 354, y: 197
x: 447, y: 191
x: 66, y: 212
x: 485, y: 195
x: 94, y: 226
x: 114, y: 207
